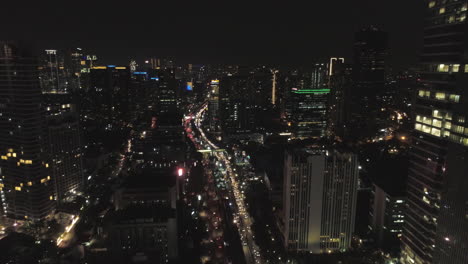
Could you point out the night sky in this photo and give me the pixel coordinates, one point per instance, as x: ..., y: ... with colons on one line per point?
x: 222, y: 32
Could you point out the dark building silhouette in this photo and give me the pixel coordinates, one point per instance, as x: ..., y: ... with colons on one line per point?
x: 370, y: 50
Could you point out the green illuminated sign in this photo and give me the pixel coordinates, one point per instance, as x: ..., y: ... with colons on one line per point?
x: 312, y: 91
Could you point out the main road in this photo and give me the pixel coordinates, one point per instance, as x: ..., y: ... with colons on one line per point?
x: 241, y: 216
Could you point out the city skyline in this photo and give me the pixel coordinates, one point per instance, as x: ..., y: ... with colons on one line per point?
x: 256, y: 34
x: 334, y: 133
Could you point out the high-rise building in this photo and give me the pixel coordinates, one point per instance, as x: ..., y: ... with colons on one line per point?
x: 387, y: 215
x: 144, y: 225
x: 320, y: 192
x: 167, y: 89
x: 236, y: 104
x: 213, y: 106
x: 339, y: 81
x: 52, y: 74
x: 307, y: 104
x: 436, y: 228
x: 370, y: 51
x: 26, y: 184
x: 109, y: 89
x: 65, y: 146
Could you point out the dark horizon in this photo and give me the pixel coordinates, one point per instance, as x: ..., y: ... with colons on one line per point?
x: 220, y: 34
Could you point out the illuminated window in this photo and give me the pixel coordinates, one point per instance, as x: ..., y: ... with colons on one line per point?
x: 14, y: 155
x: 48, y: 177
x: 2, y: 185
x: 465, y: 141
x: 443, y: 68
x: 464, y: 7
x: 10, y: 150
x: 446, y: 133
x: 28, y: 162
x: 451, y: 19
x: 440, y: 96
x: 448, y: 125
x: 43, y: 180
x: 418, y: 126
x: 421, y: 93
x: 458, y: 129
x: 426, y: 200
x: 442, y: 10
x: 454, y: 98
x: 4, y: 157
x: 436, y: 113
x: 462, y: 17
x: 435, y: 132
x: 432, y: 4
x: 426, y: 129
x: 455, y: 67
x: 47, y: 165
x: 18, y: 188
x: 466, y: 68
x: 29, y: 183
x: 51, y: 197
x: 8, y: 154
x: 427, y: 121
x: 436, y: 123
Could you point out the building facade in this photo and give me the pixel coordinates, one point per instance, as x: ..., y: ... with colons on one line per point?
x: 387, y: 216
x: 437, y: 220
x: 320, y: 192
x: 26, y: 185
x: 65, y: 145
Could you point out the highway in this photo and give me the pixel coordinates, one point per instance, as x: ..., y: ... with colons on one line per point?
x: 241, y: 216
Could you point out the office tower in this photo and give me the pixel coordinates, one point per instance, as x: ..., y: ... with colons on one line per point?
x: 144, y: 225
x: 236, y: 104
x: 320, y: 191
x: 261, y: 81
x: 370, y: 51
x: 213, y: 106
x: 339, y: 82
x: 274, y: 89
x: 308, y: 103
x: 52, y: 74
x: 26, y: 184
x: 436, y: 228
x: 387, y: 215
x: 167, y: 90
x: 109, y: 92
x: 77, y: 69
x: 65, y: 147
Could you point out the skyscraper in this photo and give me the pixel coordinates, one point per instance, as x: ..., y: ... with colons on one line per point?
x: 308, y: 103
x: 339, y: 82
x: 26, y: 184
x: 370, y: 51
x: 213, y: 106
x: 236, y: 104
x: 320, y: 191
x: 436, y: 227
x: 64, y: 144
x: 108, y: 91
